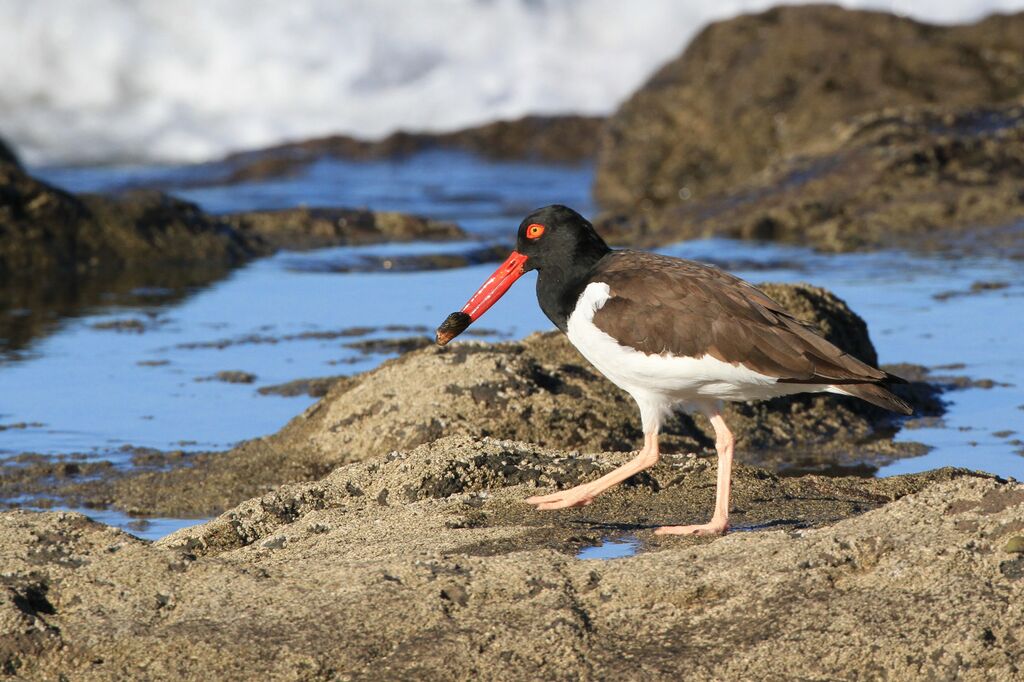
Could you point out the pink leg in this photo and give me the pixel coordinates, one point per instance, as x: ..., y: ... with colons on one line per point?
x: 582, y: 495
x: 719, y: 523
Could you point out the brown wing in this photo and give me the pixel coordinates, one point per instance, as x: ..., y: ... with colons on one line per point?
x: 670, y: 305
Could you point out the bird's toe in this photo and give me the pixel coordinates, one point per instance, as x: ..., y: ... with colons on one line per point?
x: 699, y: 529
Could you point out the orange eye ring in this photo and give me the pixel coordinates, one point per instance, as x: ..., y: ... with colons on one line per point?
x: 534, y: 231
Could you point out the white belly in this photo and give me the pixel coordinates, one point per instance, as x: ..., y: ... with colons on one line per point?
x: 657, y: 382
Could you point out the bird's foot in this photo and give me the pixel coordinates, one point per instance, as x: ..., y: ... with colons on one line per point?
x: 580, y: 496
x: 715, y: 527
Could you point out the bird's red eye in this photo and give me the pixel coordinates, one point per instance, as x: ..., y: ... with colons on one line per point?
x: 534, y: 231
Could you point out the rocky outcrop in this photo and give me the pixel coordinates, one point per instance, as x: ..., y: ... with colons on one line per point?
x: 919, y: 179
x: 752, y: 90
x: 45, y: 229
x: 60, y: 251
x: 426, y: 565
x: 843, y: 130
x: 547, y: 139
x: 312, y: 228
x: 530, y: 391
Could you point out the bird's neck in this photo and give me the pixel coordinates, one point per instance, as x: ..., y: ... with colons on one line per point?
x: 559, y: 286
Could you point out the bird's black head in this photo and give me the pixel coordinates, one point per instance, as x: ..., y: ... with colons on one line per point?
x: 560, y: 238
x: 557, y: 242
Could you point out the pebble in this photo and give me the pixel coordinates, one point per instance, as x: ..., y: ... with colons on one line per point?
x: 1015, y: 545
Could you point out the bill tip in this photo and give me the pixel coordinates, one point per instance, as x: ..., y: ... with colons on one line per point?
x: 452, y: 326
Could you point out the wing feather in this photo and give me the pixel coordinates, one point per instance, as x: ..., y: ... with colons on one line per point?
x: 671, y: 305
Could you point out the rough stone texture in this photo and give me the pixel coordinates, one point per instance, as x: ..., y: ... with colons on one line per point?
x: 46, y: 230
x: 530, y: 391
x: 919, y: 179
x: 426, y: 565
x: 751, y: 90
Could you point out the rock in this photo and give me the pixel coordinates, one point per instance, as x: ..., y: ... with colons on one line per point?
x: 60, y: 252
x: 758, y: 88
x: 548, y: 139
x: 43, y: 228
x: 1015, y: 545
x: 7, y: 155
x: 529, y: 391
x: 46, y: 230
x: 456, y: 578
x: 231, y: 376
x: 911, y: 178
x: 314, y: 388
x: 130, y: 325
x: 313, y: 228
x: 389, y: 345
x: 410, y: 262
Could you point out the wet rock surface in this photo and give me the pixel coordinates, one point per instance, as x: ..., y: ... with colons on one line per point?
x: 312, y: 228
x: 412, y: 262
x: 47, y: 230
x: 426, y: 564
x: 316, y: 387
x: 231, y: 376
x: 529, y: 391
x: 817, y: 125
x: 60, y: 252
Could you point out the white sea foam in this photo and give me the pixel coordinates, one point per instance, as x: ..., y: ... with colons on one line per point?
x: 104, y: 80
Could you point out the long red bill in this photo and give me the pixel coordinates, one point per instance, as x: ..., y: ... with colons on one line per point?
x: 486, y: 296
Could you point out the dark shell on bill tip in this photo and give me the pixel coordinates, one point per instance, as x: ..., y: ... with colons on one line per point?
x: 452, y: 326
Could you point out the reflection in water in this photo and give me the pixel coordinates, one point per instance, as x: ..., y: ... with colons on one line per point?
x: 611, y: 548
x: 31, y: 308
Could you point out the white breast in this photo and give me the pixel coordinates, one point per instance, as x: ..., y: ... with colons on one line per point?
x: 657, y: 382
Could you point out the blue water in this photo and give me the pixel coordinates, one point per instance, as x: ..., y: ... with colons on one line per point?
x: 611, y: 548
x: 87, y: 388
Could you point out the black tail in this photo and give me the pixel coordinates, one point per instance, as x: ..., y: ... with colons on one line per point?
x: 877, y: 395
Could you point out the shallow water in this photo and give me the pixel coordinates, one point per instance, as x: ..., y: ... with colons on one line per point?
x: 84, y: 388
x: 612, y: 547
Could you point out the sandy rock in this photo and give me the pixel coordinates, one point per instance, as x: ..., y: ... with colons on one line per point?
x: 751, y: 90
x: 450, y: 576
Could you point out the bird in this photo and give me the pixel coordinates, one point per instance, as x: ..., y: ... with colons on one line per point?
x: 672, y: 333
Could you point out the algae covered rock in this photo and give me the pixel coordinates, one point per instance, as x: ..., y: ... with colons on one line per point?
x: 754, y: 89
x: 916, y: 178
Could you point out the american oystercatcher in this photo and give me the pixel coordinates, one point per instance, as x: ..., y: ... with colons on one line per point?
x: 671, y: 333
